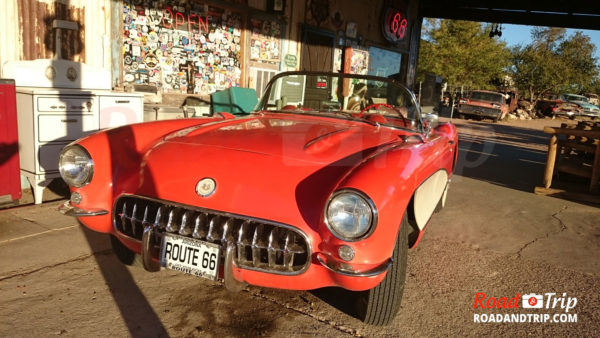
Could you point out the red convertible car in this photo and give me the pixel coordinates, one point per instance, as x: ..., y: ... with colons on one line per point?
x: 328, y: 182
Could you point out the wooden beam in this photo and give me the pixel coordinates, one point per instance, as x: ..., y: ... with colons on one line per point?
x: 483, y: 14
x: 574, y: 132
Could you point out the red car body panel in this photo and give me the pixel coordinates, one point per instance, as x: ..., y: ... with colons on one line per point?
x: 272, y: 166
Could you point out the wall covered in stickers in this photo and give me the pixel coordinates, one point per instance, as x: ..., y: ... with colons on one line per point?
x: 181, y: 46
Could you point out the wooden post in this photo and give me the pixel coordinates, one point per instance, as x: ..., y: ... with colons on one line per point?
x: 550, y: 161
x: 595, y: 170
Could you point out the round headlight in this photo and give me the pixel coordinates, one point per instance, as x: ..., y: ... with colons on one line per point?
x: 350, y: 215
x: 76, y: 166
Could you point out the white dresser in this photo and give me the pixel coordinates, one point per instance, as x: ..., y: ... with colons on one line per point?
x: 59, y: 101
x: 49, y: 119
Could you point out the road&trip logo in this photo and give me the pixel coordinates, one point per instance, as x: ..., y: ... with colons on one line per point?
x: 549, y: 307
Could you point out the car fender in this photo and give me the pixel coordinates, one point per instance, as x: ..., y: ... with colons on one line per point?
x: 120, y: 151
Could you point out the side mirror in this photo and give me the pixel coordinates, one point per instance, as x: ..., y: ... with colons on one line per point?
x: 430, y: 121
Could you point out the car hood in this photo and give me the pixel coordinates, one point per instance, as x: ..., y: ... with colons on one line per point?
x: 302, y: 138
x: 278, y: 168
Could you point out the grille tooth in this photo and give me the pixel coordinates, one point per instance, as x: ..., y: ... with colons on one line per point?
x: 134, y: 220
x: 186, y: 223
x: 227, y: 231
x: 261, y: 245
x: 243, y: 241
x: 172, y: 225
x: 290, y: 250
x: 145, y: 221
x: 200, y: 226
x: 124, y: 218
x: 257, y: 244
x: 273, y: 247
x: 211, y: 228
x: 159, y: 215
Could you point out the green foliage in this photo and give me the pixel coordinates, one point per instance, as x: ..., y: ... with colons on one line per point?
x: 553, y: 62
x: 463, y: 53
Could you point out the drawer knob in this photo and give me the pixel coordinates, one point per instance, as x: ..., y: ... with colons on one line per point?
x: 69, y: 120
x: 57, y: 107
x: 122, y: 101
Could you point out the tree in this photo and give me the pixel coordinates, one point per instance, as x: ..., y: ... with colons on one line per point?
x: 554, y: 62
x: 463, y: 53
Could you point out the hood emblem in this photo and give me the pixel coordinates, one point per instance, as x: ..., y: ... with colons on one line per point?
x: 206, y: 187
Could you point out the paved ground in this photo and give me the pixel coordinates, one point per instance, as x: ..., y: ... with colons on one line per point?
x: 494, y: 237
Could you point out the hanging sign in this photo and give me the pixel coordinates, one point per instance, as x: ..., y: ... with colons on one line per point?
x: 395, y: 25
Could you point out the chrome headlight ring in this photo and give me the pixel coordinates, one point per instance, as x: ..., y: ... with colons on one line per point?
x: 350, y: 215
x: 76, y: 166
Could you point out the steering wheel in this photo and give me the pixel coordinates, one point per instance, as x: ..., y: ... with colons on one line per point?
x: 377, y: 105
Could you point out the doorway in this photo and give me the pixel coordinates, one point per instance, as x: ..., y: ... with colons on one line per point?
x: 317, y: 50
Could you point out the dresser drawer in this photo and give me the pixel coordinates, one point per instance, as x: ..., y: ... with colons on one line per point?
x: 120, y: 110
x: 67, y: 103
x: 54, y: 128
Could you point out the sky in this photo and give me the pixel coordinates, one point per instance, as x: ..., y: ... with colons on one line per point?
x: 521, y: 34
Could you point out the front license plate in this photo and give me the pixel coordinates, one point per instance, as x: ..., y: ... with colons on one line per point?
x: 190, y: 256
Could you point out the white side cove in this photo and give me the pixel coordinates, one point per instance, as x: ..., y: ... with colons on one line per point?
x: 427, y: 197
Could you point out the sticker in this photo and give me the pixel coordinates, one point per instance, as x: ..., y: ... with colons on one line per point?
x: 127, y: 59
x: 151, y: 60
x: 129, y: 77
x: 153, y: 37
x: 136, y: 50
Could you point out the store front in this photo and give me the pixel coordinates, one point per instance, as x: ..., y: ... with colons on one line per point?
x: 351, y: 37
x: 184, y: 48
x: 197, y: 48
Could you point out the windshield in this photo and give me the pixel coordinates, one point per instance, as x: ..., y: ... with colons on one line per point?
x: 369, y: 99
x: 484, y: 96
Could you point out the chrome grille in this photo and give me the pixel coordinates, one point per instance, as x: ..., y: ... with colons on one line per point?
x: 260, y: 245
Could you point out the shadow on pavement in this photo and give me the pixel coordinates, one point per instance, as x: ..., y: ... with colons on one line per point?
x: 341, y: 299
x: 505, y: 155
x: 136, y: 311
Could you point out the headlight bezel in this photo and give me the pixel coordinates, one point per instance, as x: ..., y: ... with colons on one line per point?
x: 89, y: 166
x: 363, y: 196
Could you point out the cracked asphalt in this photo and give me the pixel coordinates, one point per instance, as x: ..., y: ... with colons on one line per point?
x: 494, y: 237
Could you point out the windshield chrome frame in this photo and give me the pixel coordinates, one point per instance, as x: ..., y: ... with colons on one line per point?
x: 267, y: 93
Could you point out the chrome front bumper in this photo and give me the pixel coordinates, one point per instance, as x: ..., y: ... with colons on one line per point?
x: 345, y: 272
x: 68, y: 210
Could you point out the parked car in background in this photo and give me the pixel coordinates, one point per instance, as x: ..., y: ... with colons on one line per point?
x: 483, y: 104
x: 593, y: 98
x: 589, y: 110
x: 557, y: 105
x: 328, y: 182
x: 512, y: 98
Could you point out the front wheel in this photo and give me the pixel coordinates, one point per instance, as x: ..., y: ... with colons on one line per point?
x: 379, y: 305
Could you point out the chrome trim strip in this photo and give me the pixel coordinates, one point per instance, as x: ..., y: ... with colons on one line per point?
x: 225, y: 214
x: 68, y: 210
x: 371, y: 273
